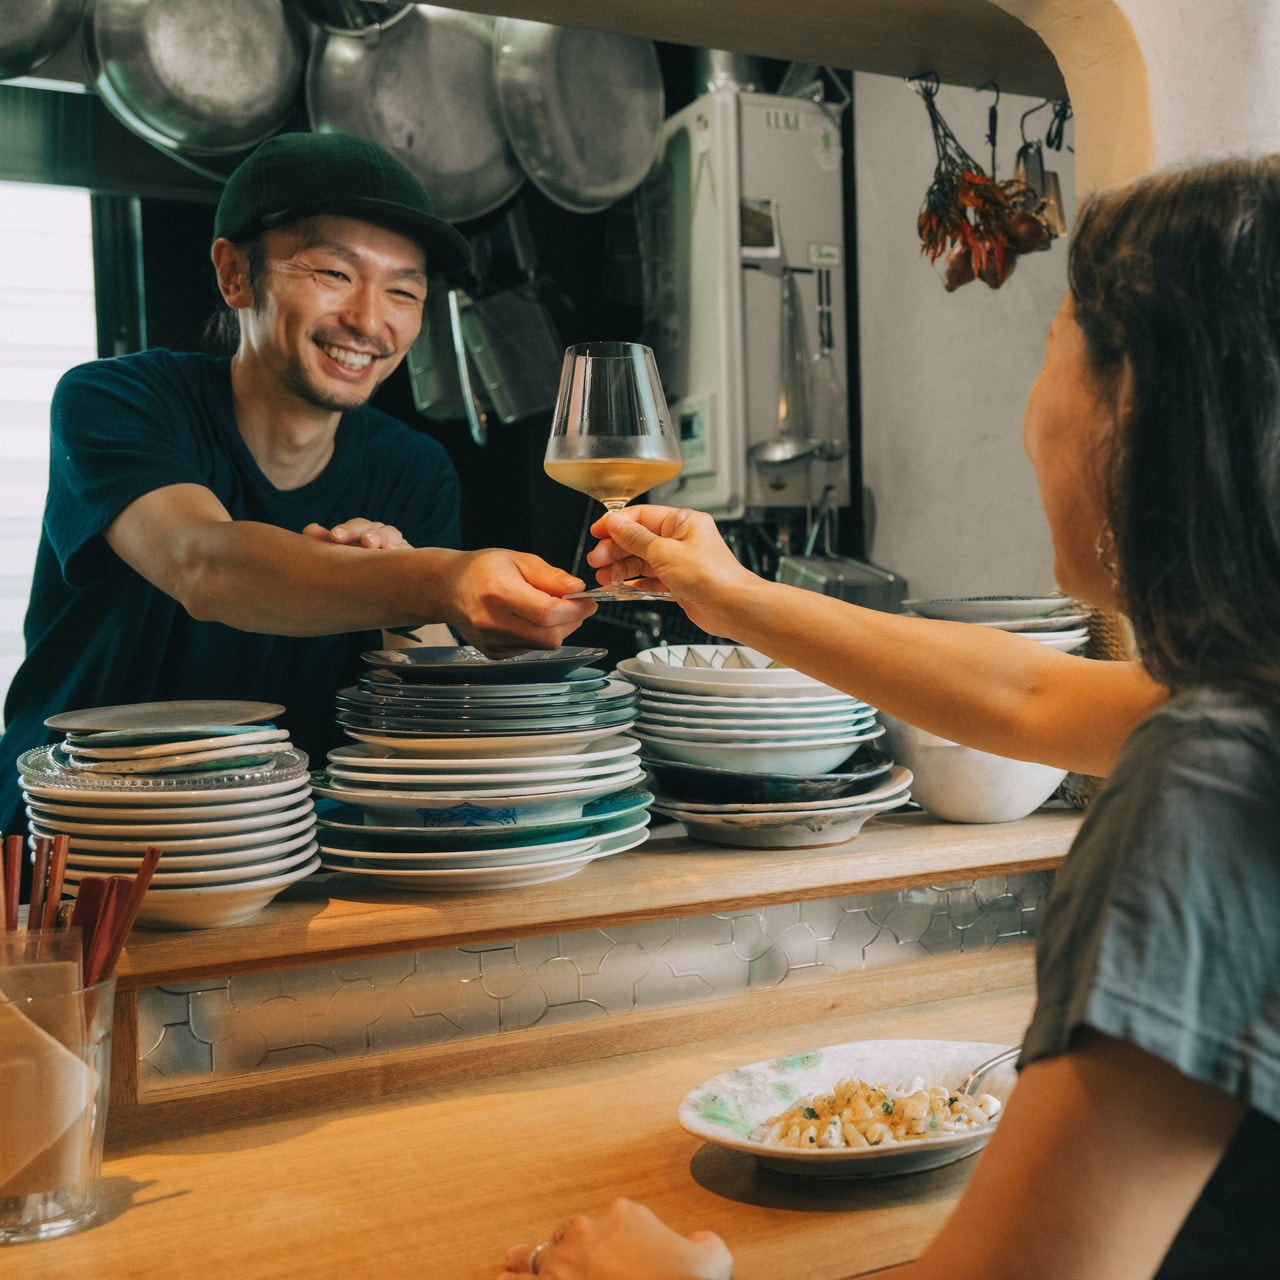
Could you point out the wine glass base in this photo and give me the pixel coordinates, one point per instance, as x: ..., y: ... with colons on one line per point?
x: 620, y: 592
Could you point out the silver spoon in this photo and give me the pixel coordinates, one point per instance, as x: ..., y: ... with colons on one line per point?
x: 1005, y: 1055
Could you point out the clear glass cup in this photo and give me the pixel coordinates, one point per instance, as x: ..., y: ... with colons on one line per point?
x: 611, y: 435
x: 55, y: 1060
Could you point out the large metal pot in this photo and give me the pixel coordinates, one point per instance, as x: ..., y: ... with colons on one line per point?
x: 583, y: 109
x: 422, y: 86
x: 32, y: 31
x: 197, y: 77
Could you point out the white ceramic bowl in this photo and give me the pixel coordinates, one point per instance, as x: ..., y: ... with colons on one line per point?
x: 214, y: 906
x: 961, y: 784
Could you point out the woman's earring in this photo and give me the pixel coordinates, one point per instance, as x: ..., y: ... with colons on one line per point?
x: 1105, y: 547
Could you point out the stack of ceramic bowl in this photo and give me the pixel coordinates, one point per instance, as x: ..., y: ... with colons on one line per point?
x: 215, y: 785
x: 745, y: 751
x: 471, y: 774
x: 1056, y: 621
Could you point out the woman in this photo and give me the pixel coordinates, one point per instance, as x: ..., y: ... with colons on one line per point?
x: 1143, y: 1136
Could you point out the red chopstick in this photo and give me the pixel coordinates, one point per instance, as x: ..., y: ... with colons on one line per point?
x: 84, y: 914
x: 57, y: 871
x: 122, y: 923
x: 12, y: 881
x: 39, y: 883
x: 115, y: 898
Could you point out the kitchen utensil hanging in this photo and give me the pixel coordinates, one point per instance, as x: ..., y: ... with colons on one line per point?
x: 829, y: 405
x: 981, y: 225
x: 792, y: 441
x: 583, y: 109
x: 423, y: 87
x: 194, y: 78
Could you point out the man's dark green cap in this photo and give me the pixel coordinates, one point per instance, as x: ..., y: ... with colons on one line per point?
x: 299, y: 175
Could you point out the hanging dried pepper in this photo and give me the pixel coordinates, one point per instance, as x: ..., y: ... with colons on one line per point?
x: 980, y: 224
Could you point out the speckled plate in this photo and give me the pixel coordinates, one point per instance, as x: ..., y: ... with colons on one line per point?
x: 725, y: 1109
x: 811, y: 829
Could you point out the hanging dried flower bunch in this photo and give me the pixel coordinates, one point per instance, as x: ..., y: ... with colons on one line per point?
x: 981, y: 225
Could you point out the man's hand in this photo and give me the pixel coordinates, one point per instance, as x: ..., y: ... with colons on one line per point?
x: 507, y: 602
x: 359, y: 533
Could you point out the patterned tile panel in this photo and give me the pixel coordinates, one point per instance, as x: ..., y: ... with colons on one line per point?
x: 259, y: 1022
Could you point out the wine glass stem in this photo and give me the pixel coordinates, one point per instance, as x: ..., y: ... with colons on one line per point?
x: 616, y: 575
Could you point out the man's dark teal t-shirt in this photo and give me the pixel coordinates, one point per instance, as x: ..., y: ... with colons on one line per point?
x: 97, y: 633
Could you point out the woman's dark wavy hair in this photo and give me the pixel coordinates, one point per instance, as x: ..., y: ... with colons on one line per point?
x: 1179, y: 273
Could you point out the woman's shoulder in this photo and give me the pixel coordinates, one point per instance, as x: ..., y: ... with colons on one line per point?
x: 1207, y: 723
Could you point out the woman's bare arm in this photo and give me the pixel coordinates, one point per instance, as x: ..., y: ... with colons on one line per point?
x: 989, y: 689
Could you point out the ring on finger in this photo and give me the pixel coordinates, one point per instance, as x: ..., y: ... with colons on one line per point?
x: 535, y: 1253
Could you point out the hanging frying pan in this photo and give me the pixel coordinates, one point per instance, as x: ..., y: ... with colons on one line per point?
x: 583, y: 109
x: 32, y: 31
x: 422, y: 86
x: 193, y: 77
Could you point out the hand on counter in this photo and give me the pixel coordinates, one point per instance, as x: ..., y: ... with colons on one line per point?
x: 623, y: 1242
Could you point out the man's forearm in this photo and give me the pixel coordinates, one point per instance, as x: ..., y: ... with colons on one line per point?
x: 259, y: 578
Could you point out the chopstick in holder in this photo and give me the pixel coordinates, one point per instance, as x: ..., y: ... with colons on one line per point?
x: 115, y: 898
x: 57, y: 871
x: 39, y: 883
x: 12, y: 881
x: 122, y: 924
x: 84, y: 915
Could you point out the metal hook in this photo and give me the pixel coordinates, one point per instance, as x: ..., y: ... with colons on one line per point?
x: 993, y: 120
x: 1030, y: 111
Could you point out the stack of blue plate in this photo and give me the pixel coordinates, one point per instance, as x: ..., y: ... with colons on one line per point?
x: 471, y: 774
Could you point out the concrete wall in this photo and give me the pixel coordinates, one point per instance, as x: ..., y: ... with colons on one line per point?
x: 945, y: 376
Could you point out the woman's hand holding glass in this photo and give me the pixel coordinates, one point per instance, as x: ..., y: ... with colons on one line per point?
x: 676, y: 550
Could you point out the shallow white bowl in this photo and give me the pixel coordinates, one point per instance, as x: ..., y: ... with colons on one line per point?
x: 724, y: 1109
x: 214, y: 906
x: 779, y: 830
x: 782, y: 682
x: 961, y: 784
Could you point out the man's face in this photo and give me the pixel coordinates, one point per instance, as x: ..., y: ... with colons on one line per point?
x: 338, y: 304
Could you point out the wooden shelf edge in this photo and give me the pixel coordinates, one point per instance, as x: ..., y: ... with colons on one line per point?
x: 320, y: 1086
x: 664, y: 879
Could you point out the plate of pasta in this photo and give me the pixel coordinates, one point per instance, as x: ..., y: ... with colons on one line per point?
x: 868, y: 1109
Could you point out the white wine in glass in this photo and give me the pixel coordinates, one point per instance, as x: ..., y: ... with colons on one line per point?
x: 611, y: 435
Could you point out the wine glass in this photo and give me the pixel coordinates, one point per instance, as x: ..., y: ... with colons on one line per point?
x: 611, y: 435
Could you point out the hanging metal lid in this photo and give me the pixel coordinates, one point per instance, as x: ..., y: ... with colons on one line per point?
x: 422, y: 86
x: 583, y: 109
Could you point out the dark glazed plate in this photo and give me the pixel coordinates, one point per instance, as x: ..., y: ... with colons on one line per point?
x: 467, y: 665
x: 863, y: 771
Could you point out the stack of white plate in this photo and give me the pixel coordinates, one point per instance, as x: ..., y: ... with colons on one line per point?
x: 228, y: 804
x: 1056, y: 621
x: 730, y: 707
x: 474, y: 774
x: 746, y: 752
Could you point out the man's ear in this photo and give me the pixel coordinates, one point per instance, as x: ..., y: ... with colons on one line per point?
x: 231, y: 264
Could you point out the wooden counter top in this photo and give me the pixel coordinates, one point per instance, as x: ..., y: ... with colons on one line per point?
x: 327, y: 919
x: 436, y: 1183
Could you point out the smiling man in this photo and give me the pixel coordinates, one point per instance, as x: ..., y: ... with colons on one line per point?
x: 242, y: 528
